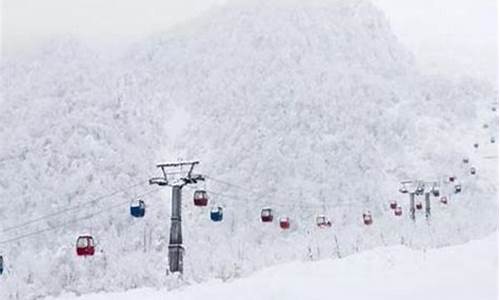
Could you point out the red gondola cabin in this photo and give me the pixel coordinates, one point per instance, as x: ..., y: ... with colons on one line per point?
x: 398, y: 211
x: 393, y: 204
x: 266, y: 215
x: 200, y: 198
x: 85, y: 246
x: 285, y: 223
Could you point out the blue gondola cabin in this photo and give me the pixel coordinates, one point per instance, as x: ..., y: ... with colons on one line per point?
x: 216, y: 214
x: 266, y: 215
x: 138, y: 209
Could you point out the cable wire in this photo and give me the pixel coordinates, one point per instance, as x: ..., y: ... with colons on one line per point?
x: 59, y: 212
x: 89, y: 216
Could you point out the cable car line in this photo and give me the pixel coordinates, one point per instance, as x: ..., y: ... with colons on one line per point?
x: 240, y: 198
x: 229, y: 184
x: 56, y: 213
x: 88, y: 216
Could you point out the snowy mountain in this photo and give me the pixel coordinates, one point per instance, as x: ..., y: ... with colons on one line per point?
x: 307, y: 108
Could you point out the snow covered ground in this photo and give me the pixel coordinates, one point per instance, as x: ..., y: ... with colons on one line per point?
x: 460, y: 272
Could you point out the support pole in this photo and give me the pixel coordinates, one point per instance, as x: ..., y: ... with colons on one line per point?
x: 427, y: 205
x: 176, y: 181
x: 412, y: 206
x: 175, y: 249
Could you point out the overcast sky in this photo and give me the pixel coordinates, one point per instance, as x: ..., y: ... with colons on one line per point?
x: 453, y: 36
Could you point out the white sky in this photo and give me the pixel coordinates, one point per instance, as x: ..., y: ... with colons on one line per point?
x: 453, y: 36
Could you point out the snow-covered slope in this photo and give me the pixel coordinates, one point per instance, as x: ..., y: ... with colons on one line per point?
x: 309, y: 108
x: 460, y: 272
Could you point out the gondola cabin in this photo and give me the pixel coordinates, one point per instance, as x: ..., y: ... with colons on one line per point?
x: 444, y: 200
x: 473, y: 171
x: 465, y: 160
x: 285, y: 223
x: 418, y: 205
x: 403, y: 189
x: 85, y: 246
x: 393, y: 204
x: 451, y: 178
x: 367, y: 218
x: 485, y: 126
x: 476, y: 145
x: 200, y: 198
x: 266, y: 215
x: 216, y: 214
x: 492, y: 140
x: 458, y: 188
x: 323, y: 222
x: 435, y: 192
x: 398, y: 211
x: 138, y: 209
x: 1, y: 264
x: 420, y: 190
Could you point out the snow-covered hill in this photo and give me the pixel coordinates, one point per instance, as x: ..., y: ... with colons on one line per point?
x: 308, y: 108
x: 460, y: 272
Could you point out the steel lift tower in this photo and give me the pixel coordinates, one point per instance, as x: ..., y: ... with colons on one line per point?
x: 175, y: 177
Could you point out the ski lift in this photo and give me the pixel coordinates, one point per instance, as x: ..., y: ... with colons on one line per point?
x: 444, y: 200
x: 138, y: 208
x: 367, y: 218
x: 1, y: 264
x: 458, y: 188
x: 200, y: 198
x: 85, y: 245
x: 473, y: 171
x: 465, y: 160
x: 398, y: 211
x: 266, y: 215
x: 323, y: 222
x: 285, y: 223
x: 393, y: 204
x: 216, y: 214
x: 418, y: 205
